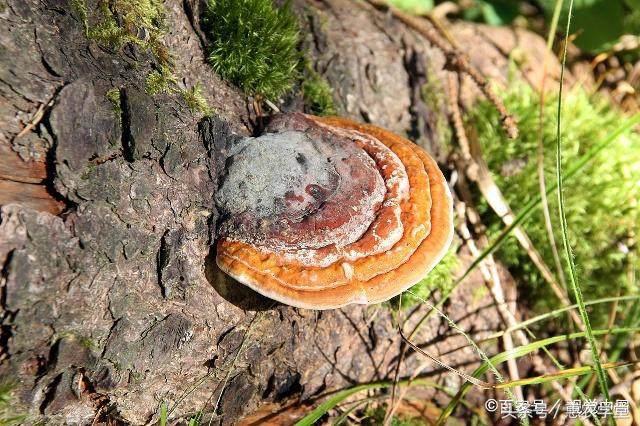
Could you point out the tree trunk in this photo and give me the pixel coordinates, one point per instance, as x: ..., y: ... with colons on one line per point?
x: 111, y: 303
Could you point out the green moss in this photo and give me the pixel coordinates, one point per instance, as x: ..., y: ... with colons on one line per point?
x: 113, y: 96
x: 317, y: 94
x: 164, y: 81
x: 80, y: 7
x: 439, y: 279
x: 117, y: 22
x: 107, y: 31
x: 160, y: 81
x: 8, y: 414
x: 84, y: 341
x: 253, y: 45
x: 432, y: 94
x: 196, y: 101
x: 602, y: 202
x: 90, y: 344
x: 147, y: 14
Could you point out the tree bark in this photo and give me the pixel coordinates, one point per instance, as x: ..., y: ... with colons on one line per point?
x: 111, y: 303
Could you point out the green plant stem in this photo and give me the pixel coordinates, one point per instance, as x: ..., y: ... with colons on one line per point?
x: 602, y: 379
x: 541, y: 176
x: 553, y: 26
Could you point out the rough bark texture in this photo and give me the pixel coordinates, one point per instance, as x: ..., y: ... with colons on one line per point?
x: 110, y: 301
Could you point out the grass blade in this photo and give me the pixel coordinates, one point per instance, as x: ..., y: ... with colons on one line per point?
x: 573, y: 279
x: 520, y: 352
x: 554, y: 23
x: 563, y: 374
x: 163, y: 414
x: 541, y: 156
x: 343, y: 417
x: 557, y: 312
x: 322, y: 409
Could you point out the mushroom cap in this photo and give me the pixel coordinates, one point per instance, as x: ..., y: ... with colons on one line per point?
x: 368, y: 215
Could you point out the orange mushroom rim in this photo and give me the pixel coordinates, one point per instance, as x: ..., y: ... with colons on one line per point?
x: 366, y: 271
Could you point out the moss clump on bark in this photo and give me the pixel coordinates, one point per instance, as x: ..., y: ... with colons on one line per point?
x: 160, y: 81
x: 441, y: 278
x: 317, y: 94
x: 164, y: 81
x: 433, y: 95
x: 253, y: 45
x: 117, y: 22
x: 113, y: 96
x: 142, y: 22
x: 80, y: 7
x: 196, y: 101
x: 602, y: 201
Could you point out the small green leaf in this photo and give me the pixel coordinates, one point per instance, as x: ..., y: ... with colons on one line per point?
x: 163, y: 414
x: 499, y: 12
x: 416, y: 7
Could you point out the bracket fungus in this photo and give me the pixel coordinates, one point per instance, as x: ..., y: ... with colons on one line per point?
x: 319, y: 213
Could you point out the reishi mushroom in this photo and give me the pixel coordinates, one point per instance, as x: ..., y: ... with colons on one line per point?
x: 323, y: 212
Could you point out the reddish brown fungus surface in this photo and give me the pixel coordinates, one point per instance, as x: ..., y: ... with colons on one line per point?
x: 323, y: 212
